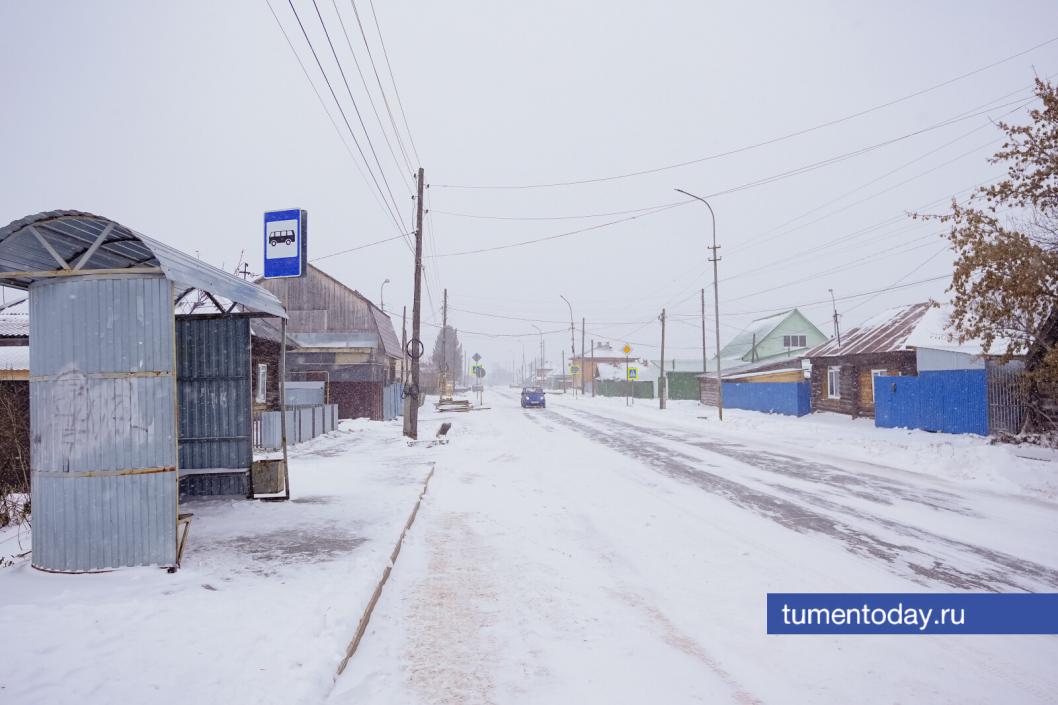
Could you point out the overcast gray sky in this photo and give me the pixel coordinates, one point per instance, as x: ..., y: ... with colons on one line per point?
x: 187, y: 120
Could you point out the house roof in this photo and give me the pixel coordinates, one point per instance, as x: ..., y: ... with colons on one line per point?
x: 888, y: 331
x: 73, y: 235
x: 14, y: 325
x: 741, y: 345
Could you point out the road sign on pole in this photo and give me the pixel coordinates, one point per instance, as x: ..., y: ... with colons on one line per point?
x: 627, y: 348
x: 633, y: 374
x: 285, y: 247
x: 476, y: 357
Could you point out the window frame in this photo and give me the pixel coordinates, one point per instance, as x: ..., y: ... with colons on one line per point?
x: 261, y: 396
x: 834, y: 375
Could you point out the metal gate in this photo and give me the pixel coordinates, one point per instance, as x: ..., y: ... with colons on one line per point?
x: 1006, y: 398
x: 213, y: 384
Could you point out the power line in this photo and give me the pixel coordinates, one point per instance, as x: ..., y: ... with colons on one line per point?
x: 385, y: 100
x: 396, y: 221
x: 561, y: 217
x: 356, y: 108
x: 393, y: 82
x: 377, y: 194
x: 558, y: 235
x: 370, y: 98
x: 742, y: 187
x: 757, y: 145
x: 361, y: 247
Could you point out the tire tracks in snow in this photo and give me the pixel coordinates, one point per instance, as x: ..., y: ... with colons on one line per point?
x: 1004, y: 571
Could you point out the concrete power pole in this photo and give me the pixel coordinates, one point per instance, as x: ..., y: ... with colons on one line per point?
x: 705, y: 357
x: 416, y: 348
x: 662, y: 381
x: 582, y: 356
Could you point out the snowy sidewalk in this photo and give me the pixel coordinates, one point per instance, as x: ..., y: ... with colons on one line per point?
x: 548, y: 565
x: 262, y: 610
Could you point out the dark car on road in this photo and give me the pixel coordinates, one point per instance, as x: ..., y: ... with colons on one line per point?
x: 533, y: 397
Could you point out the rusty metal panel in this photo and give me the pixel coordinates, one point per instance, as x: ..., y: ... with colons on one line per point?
x: 213, y: 383
x: 102, y: 403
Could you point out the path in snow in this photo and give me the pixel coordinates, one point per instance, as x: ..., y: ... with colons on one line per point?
x: 576, y: 555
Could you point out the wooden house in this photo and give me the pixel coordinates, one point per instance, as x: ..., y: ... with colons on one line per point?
x: 337, y: 336
x: 843, y: 374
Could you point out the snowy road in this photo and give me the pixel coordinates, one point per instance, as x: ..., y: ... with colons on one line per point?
x: 595, y: 554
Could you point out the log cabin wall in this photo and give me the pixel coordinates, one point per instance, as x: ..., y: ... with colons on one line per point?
x: 855, y: 379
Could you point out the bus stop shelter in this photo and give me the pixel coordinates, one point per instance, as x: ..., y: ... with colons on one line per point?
x: 105, y: 407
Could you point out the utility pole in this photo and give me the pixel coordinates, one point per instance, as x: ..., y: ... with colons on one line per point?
x: 662, y: 381
x: 837, y: 330
x: 582, y: 356
x: 716, y: 304
x: 411, y: 396
x: 705, y: 358
x: 593, y: 369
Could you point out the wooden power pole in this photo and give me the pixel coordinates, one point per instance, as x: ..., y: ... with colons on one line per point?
x: 416, y: 347
x: 662, y: 382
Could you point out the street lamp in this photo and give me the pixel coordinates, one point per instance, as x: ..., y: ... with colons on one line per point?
x: 381, y: 293
x: 716, y: 304
x: 572, y: 344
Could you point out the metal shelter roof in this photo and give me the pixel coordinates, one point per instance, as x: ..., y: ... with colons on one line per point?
x: 48, y: 244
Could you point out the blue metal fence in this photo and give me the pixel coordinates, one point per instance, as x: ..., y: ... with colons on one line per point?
x: 950, y: 401
x: 790, y: 398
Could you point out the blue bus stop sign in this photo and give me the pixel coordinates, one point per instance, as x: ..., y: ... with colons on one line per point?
x: 285, y: 243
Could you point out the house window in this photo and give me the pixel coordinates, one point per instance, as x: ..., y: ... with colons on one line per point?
x: 795, y: 341
x: 876, y: 373
x: 834, y: 382
x: 262, y: 383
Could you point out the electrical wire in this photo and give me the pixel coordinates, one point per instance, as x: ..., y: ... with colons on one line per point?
x: 356, y: 108
x: 382, y: 91
x: 376, y: 193
x: 393, y: 82
x: 757, y: 145
x: 370, y: 98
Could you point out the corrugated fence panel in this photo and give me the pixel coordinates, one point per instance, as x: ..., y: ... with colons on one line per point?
x: 392, y: 404
x: 950, y: 401
x: 102, y: 400
x: 213, y: 380
x: 303, y: 424
x: 790, y: 398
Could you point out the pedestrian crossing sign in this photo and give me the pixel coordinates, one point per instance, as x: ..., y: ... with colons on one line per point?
x: 633, y: 373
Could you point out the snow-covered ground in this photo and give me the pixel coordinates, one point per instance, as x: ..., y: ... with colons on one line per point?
x: 586, y: 553
x: 261, y: 612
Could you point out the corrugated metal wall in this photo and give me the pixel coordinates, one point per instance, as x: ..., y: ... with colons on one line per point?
x: 953, y: 401
x: 392, y: 403
x: 213, y: 381
x: 682, y: 385
x: 102, y: 414
x: 790, y: 398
